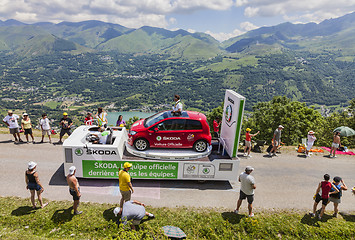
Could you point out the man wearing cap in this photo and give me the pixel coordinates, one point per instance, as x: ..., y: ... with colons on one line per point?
x: 276, y: 140
x: 132, y: 210
x: 248, y: 137
x: 74, y: 189
x: 11, y: 121
x: 124, y: 180
x: 310, y: 141
x: 66, y: 124
x: 247, y: 186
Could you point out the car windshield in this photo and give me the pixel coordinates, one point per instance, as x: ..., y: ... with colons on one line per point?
x: 155, y: 118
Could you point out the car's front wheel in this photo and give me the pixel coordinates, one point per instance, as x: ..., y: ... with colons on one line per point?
x: 141, y: 144
x: 200, y: 146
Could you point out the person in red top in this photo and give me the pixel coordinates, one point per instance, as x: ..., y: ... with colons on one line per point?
x: 248, y: 137
x: 88, y: 119
x: 323, y: 195
x: 216, y: 124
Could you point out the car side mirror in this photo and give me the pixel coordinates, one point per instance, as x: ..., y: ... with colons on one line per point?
x: 156, y: 130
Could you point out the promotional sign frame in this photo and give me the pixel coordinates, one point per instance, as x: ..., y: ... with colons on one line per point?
x: 232, y: 118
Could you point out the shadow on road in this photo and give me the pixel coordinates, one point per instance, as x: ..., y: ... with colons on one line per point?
x: 23, y: 210
x: 58, y: 177
x: 232, y: 217
x: 6, y: 141
x: 192, y: 184
x: 348, y: 217
x: 307, y: 219
x: 301, y: 156
x: 62, y: 215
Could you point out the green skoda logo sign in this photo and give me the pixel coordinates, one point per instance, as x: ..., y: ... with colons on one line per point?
x: 228, y: 113
x: 158, y: 138
x: 206, y: 170
x: 79, y: 152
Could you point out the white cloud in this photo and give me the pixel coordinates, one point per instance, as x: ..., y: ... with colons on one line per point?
x: 247, y: 26
x: 297, y: 11
x: 224, y: 36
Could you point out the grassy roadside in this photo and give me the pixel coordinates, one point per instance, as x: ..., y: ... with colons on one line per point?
x: 19, y: 221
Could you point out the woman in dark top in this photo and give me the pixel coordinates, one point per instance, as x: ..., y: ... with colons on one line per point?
x: 33, y: 184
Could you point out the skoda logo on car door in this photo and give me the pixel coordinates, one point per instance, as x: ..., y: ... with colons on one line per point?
x: 158, y: 138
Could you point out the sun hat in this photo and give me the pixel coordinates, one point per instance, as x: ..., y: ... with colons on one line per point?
x: 72, y: 170
x: 65, y: 113
x: 10, y: 111
x: 116, y: 211
x: 249, y: 168
x: 31, y: 165
x: 127, y: 165
x: 25, y: 114
x: 311, y: 132
x: 280, y: 126
x: 248, y: 129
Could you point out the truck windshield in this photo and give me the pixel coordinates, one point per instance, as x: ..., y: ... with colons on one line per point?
x: 155, y: 118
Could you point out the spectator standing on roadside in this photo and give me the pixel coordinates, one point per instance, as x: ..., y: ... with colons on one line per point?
x: 335, y: 144
x: 27, y: 127
x: 247, y: 186
x: 74, y: 189
x: 276, y: 140
x: 335, y: 197
x: 125, y: 184
x: 248, y: 137
x: 177, y: 107
x: 11, y: 120
x: 120, y: 122
x: 101, y: 116
x: 310, y: 141
x: 65, y: 124
x: 34, y: 185
x: 133, y: 210
x: 45, y: 127
x: 216, y: 125
x: 323, y: 195
x: 88, y: 119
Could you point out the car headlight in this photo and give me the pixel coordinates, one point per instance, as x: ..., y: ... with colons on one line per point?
x: 133, y: 133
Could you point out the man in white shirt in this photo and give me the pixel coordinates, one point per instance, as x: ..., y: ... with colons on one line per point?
x: 177, y: 107
x: 247, y: 186
x: 11, y: 120
x: 45, y: 127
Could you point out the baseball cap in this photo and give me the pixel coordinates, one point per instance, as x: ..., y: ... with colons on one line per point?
x: 65, y: 113
x: 127, y: 165
x: 10, y: 111
x: 249, y: 168
x: 25, y: 114
x: 72, y: 170
x: 248, y: 129
x: 116, y: 211
x: 280, y: 126
x: 31, y: 165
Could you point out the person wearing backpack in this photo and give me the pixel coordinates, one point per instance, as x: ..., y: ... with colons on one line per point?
x: 335, y: 197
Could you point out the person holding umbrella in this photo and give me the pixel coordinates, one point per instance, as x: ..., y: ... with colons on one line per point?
x: 335, y: 144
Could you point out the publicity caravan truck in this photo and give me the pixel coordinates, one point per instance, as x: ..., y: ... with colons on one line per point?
x: 218, y: 162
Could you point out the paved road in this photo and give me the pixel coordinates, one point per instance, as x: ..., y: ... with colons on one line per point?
x: 284, y: 182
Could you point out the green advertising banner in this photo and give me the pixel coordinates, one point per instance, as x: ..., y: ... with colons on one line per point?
x: 139, y: 169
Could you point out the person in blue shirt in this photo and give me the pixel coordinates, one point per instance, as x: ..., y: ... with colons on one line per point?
x: 335, y: 197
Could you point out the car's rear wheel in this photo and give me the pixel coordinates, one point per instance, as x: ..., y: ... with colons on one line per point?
x: 200, y: 146
x: 141, y: 144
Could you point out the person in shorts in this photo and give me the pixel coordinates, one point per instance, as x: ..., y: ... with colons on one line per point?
x: 216, y: 125
x: 335, y: 144
x: 45, y: 127
x: 310, y: 141
x: 74, y: 189
x: 248, y: 137
x: 34, y: 185
x: 133, y: 210
x: 11, y: 120
x: 326, y: 187
x: 247, y: 186
x: 124, y: 181
x: 27, y: 127
x: 336, y: 196
x: 66, y: 124
x: 276, y: 140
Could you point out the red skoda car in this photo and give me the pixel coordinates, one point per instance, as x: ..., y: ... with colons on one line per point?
x: 164, y: 130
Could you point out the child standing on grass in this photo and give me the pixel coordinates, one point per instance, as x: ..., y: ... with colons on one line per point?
x: 322, y: 194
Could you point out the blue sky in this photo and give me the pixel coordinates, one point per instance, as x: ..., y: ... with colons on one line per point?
x: 222, y: 19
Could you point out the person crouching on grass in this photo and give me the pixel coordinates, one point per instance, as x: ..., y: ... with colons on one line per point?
x: 326, y: 187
